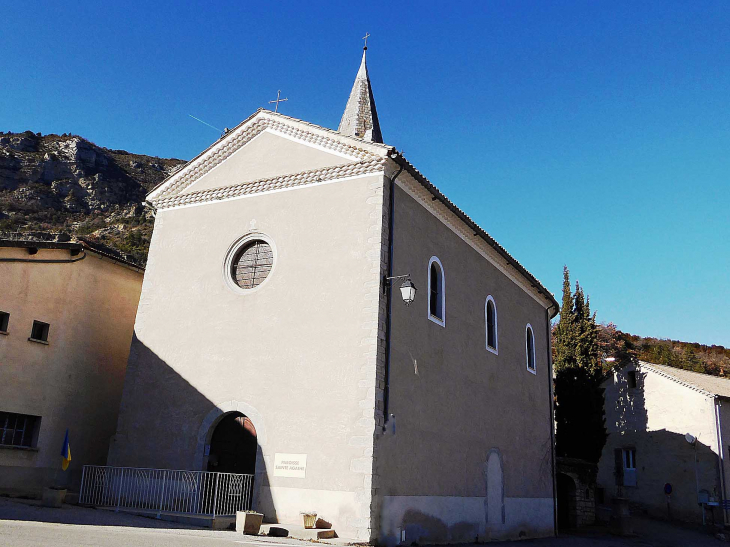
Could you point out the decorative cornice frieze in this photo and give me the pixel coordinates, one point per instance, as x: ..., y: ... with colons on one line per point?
x: 239, y: 137
x: 281, y: 182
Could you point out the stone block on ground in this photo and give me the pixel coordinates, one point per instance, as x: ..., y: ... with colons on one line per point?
x: 326, y: 534
x: 53, y: 497
x: 248, y: 522
x: 277, y: 532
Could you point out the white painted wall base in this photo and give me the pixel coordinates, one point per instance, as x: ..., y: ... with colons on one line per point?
x: 285, y: 504
x: 451, y: 519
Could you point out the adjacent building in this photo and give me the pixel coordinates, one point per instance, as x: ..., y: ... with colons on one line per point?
x: 272, y: 339
x: 668, y: 435
x: 66, y: 321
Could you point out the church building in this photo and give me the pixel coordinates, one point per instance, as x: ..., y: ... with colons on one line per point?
x: 278, y: 335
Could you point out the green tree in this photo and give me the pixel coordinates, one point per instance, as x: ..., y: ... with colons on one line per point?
x: 564, y: 333
x: 690, y: 361
x: 579, y: 398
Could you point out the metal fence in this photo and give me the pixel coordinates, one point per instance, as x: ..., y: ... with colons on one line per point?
x: 166, y: 491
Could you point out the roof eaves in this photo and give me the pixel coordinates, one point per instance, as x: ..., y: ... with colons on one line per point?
x: 652, y: 367
x: 80, y: 245
x: 29, y: 243
x: 365, y: 142
x: 109, y: 254
x: 416, y: 174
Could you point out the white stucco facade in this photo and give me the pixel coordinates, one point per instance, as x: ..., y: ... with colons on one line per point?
x: 303, y: 355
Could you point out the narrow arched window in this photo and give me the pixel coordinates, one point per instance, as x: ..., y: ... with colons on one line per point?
x: 436, y: 299
x: 530, y: 348
x: 490, y: 319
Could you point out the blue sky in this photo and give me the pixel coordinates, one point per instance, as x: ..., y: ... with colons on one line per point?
x: 592, y: 134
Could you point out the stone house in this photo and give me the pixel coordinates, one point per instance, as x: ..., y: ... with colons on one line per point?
x: 66, y: 321
x: 667, y: 442
x: 272, y: 340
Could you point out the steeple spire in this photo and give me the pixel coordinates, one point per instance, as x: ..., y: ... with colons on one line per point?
x: 360, y: 118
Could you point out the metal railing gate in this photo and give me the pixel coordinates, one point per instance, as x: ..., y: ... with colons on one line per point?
x: 166, y: 491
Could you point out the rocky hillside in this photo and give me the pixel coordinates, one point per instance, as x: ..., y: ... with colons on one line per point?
x: 64, y: 183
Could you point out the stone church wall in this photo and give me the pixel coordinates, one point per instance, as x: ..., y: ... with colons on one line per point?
x: 470, y: 456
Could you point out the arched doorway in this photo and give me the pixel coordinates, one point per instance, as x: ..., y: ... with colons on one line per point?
x: 233, y: 445
x: 566, y: 501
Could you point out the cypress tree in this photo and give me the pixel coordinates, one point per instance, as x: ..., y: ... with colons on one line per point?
x: 564, y: 343
x: 579, y: 398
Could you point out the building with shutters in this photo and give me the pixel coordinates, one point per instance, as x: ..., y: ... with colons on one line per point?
x: 272, y: 339
x: 668, y: 440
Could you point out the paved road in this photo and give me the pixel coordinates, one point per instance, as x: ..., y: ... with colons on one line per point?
x: 25, y: 524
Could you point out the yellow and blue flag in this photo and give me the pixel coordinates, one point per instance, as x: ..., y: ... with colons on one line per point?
x: 65, y: 453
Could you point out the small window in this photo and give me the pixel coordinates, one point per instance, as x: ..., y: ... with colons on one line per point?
x: 252, y: 264
x: 631, y: 376
x: 18, y: 429
x: 436, y: 300
x: 629, y: 464
x: 490, y: 318
x: 530, y: 348
x: 39, y: 332
x: 629, y: 458
x: 4, y: 320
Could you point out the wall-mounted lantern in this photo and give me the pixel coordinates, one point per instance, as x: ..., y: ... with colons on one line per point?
x: 407, y: 289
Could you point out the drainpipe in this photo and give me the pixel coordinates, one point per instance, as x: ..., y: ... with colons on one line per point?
x: 389, y: 292
x: 548, y: 318
x: 720, y: 456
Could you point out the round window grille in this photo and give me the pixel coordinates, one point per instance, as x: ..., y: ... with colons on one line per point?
x: 252, y: 264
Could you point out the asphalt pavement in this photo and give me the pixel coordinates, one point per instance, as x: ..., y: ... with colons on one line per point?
x: 27, y: 524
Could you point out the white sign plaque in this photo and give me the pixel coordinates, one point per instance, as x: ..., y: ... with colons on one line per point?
x: 290, y: 465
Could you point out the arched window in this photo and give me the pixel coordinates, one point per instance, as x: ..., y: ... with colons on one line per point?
x: 530, y: 348
x: 436, y: 299
x: 490, y: 319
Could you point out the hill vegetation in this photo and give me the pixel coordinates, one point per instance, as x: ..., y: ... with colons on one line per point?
x: 622, y: 346
x: 64, y: 183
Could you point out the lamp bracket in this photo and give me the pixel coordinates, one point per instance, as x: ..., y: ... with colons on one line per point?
x: 388, y: 281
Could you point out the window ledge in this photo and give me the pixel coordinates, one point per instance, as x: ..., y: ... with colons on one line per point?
x: 4, y: 332
x: 436, y: 320
x: 38, y: 341
x: 532, y: 371
x: 492, y: 350
x: 13, y: 447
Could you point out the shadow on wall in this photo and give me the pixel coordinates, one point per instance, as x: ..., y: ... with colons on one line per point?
x: 166, y: 423
x: 637, y: 463
x: 419, y: 525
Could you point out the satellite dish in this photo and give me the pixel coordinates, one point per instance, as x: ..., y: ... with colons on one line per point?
x: 691, y: 439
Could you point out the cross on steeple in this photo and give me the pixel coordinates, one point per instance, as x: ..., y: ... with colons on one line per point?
x: 278, y: 100
x: 367, y: 35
